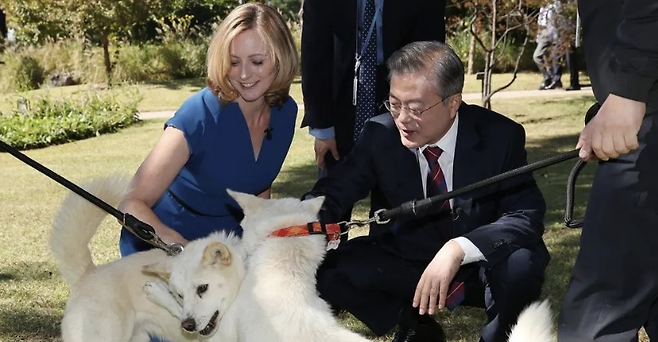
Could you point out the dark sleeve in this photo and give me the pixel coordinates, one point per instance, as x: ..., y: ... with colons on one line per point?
x: 521, y: 209
x: 431, y: 21
x: 349, y: 181
x: 636, y: 50
x: 317, y: 64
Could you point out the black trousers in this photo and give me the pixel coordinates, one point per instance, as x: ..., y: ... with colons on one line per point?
x: 377, y: 286
x: 614, y: 287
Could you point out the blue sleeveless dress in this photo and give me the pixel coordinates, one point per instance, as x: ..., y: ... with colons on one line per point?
x: 221, y: 157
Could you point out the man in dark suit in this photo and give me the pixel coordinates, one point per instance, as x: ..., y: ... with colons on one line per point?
x: 614, y: 287
x: 489, y: 240
x: 332, y: 35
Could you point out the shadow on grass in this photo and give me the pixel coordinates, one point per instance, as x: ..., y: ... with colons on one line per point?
x: 296, y: 181
x: 199, y: 82
x: 553, y: 180
x: 39, y: 271
x: 30, y: 325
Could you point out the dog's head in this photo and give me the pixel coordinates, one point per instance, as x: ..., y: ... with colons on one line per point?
x: 264, y: 216
x: 205, y: 279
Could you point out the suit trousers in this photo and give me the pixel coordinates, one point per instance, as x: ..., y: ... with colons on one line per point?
x: 547, y: 59
x: 377, y: 286
x: 614, y: 286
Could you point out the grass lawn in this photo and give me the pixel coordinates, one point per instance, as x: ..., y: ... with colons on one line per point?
x: 169, y: 95
x: 32, y: 294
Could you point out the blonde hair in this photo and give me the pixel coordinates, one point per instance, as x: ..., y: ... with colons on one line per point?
x: 274, y: 32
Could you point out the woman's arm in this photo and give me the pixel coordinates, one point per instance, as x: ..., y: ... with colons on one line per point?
x: 153, y: 178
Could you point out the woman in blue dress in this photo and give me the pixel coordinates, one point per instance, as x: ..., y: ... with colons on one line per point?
x: 234, y: 134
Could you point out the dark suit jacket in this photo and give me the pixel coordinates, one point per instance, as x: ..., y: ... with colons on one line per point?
x: 328, y: 50
x: 619, y: 38
x: 498, y: 219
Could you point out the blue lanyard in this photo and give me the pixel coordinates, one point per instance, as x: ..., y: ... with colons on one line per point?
x: 378, y: 9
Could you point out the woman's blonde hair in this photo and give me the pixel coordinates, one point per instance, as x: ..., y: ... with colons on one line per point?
x: 276, y: 35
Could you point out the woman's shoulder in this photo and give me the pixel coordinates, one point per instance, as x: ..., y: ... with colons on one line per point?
x: 202, y: 106
x: 289, y: 107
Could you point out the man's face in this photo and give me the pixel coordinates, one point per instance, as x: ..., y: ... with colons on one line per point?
x: 416, y: 92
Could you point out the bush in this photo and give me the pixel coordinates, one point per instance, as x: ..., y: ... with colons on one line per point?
x: 25, y: 73
x: 49, y: 122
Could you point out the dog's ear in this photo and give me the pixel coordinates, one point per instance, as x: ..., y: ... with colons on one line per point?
x: 161, y: 269
x: 216, y: 252
x: 248, y: 203
x: 314, y: 204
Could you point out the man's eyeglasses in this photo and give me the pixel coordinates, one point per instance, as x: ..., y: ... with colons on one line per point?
x: 396, y: 108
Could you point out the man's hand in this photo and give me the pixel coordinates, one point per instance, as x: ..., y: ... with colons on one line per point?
x: 613, y: 130
x: 322, y: 146
x: 436, y: 279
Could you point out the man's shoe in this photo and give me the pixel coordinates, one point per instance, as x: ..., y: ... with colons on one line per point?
x: 555, y: 85
x: 427, y: 331
x: 572, y: 88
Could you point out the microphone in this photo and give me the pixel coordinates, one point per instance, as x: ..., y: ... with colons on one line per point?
x: 268, y: 133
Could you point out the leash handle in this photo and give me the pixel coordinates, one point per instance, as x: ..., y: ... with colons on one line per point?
x: 571, y: 194
x: 421, y: 207
x: 141, y: 229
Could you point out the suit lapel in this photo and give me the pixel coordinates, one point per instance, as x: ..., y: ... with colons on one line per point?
x: 467, y: 153
x: 408, y: 183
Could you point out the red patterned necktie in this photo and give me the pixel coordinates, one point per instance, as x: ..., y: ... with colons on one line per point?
x: 436, y: 185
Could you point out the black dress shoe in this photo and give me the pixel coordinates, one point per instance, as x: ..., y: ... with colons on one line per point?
x: 572, y: 88
x: 555, y: 85
x: 426, y: 331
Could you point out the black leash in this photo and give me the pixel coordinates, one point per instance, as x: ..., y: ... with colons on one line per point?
x: 571, y: 194
x: 420, y: 207
x: 141, y: 229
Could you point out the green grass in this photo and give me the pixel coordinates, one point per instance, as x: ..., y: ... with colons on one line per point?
x: 32, y: 295
x: 161, y: 96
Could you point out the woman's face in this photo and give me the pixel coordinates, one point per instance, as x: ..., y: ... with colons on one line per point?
x: 252, y: 69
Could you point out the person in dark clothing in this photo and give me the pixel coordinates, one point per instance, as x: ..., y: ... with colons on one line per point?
x: 334, y: 35
x: 484, y: 248
x: 614, y: 286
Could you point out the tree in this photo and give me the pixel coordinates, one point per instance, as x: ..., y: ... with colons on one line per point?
x: 37, y: 20
x: 496, y: 25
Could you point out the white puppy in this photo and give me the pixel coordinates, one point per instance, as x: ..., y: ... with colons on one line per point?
x: 278, y: 302
x: 107, y: 303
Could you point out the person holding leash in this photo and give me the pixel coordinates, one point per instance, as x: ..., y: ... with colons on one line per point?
x: 614, y: 286
x: 483, y: 248
x: 234, y: 134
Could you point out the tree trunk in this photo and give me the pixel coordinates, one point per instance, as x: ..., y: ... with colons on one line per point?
x: 490, y: 58
x: 106, y: 58
x: 471, y: 57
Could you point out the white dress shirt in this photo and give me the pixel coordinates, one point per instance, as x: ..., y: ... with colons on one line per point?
x: 446, y: 159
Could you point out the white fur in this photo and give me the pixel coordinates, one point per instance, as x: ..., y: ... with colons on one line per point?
x: 278, y: 302
x: 534, y: 324
x: 107, y: 303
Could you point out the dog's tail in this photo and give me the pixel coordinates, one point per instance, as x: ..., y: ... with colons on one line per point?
x: 534, y: 324
x: 76, y: 223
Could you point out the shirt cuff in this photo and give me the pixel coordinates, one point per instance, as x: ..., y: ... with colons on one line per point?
x: 471, y: 252
x: 322, y: 133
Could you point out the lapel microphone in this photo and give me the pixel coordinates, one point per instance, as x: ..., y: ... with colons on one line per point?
x: 268, y: 133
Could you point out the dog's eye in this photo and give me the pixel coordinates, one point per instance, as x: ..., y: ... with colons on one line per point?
x: 201, y: 289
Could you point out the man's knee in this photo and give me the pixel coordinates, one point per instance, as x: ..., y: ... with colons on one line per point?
x: 521, y: 274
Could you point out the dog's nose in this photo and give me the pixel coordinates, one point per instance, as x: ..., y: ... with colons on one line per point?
x: 189, y: 324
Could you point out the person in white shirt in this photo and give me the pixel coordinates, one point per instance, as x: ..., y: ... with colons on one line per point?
x: 547, y: 54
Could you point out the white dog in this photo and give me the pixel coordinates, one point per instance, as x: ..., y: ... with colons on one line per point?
x: 278, y: 302
x: 107, y: 303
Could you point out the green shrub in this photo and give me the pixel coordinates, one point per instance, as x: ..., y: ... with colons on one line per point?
x: 26, y: 73
x: 48, y: 121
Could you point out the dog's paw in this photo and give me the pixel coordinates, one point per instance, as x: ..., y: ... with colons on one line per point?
x: 154, y: 289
